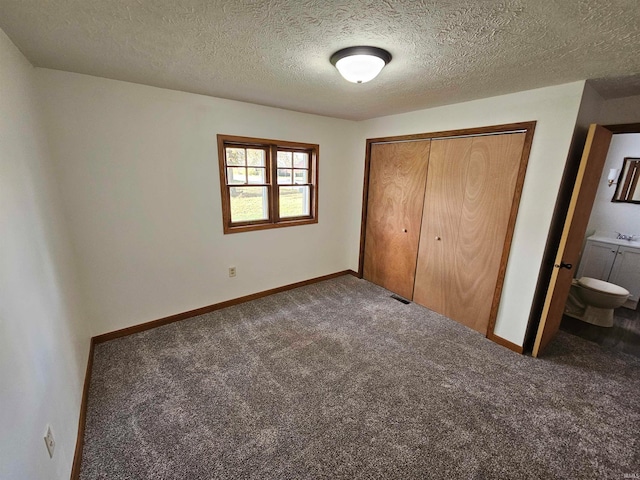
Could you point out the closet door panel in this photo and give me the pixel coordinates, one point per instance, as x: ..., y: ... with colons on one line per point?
x: 397, y: 177
x: 444, y: 196
x: 491, y: 180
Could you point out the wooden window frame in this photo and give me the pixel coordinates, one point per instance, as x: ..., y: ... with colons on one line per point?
x: 271, y: 148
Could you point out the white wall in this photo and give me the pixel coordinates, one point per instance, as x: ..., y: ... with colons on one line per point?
x: 555, y: 109
x: 43, y: 341
x: 608, y: 216
x: 138, y: 169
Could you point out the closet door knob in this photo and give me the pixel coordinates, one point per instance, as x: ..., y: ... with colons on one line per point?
x: 404, y: 230
x: 437, y: 238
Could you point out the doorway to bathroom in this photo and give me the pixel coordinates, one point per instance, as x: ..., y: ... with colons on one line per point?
x: 599, y: 205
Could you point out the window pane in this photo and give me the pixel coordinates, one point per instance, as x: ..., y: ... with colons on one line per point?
x: 236, y: 175
x: 301, y: 176
x: 255, y: 158
x: 257, y: 175
x: 235, y: 156
x: 249, y: 204
x: 301, y: 160
x: 284, y: 176
x: 294, y: 201
x: 285, y: 159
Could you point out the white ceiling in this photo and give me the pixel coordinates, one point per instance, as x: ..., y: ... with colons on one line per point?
x: 276, y: 52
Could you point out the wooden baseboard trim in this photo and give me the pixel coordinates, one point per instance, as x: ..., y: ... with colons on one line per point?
x: 77, y: 456
x: 105, y: 337
x: 505, y: 343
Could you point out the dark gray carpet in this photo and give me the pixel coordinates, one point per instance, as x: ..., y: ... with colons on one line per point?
x: 337, y: 380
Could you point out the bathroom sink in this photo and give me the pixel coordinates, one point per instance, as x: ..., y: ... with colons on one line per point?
x: 615, y: 241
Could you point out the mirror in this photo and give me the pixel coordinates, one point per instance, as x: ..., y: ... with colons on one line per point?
x: 627, y: 189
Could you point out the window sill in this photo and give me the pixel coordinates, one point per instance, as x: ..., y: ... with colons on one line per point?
x: 266, y: 226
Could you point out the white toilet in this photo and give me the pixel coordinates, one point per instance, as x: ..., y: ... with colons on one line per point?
x: 592, y: 301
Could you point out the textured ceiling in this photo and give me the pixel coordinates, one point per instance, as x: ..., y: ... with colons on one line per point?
x: 276, y: 52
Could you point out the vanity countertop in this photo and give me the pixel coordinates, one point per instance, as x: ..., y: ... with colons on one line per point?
x: 615, y: 241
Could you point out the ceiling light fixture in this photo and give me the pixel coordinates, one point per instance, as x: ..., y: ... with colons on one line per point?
x: 360, y: 64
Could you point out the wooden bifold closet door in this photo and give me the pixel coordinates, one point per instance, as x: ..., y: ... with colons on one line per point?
x: 470, y: 191
x: 397, y: 175
x: 443, y: 200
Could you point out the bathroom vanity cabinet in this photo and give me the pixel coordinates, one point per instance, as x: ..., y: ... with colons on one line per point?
x: 614, y: 261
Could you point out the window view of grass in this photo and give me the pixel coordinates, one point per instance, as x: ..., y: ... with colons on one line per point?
x: 294, y: 201
x: 250, y: 203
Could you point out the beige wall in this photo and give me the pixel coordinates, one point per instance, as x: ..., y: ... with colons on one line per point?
x: 44, y: 342
x: 555, y: 109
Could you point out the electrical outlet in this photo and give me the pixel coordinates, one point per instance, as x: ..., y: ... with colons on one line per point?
x: 232, y: 271
x: 49, y: 441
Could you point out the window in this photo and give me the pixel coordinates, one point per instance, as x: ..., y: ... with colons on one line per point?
x: 267, y: 183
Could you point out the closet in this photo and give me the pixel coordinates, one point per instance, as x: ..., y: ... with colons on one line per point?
x: 440, y: 213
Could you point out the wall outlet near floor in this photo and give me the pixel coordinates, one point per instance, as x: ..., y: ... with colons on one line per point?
x: 232, y: 271
x: 49, y: 441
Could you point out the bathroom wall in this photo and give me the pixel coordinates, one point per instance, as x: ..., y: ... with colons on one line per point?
x: 606, y: 215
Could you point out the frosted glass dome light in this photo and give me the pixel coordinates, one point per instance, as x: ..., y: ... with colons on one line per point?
x: 360, y: 64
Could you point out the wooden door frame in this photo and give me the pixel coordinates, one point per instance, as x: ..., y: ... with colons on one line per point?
x: 567, y: 185
x: 528, y: 129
